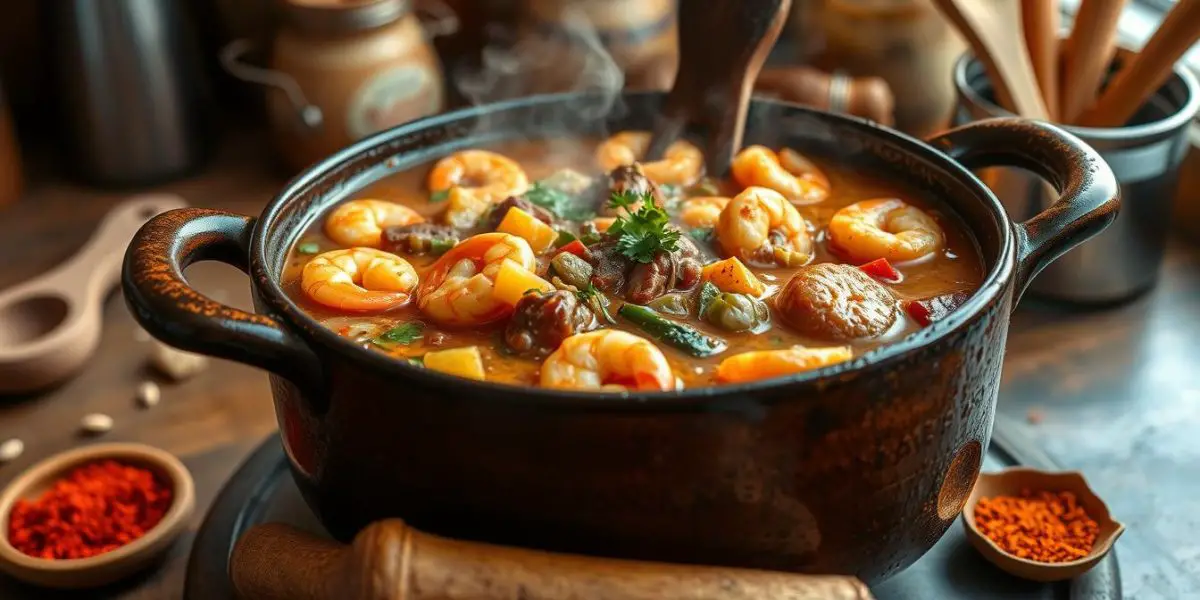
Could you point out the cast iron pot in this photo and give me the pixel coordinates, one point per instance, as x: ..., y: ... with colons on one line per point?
x: 857, y: 468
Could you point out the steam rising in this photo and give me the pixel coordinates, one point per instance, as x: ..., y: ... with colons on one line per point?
x: 571, y: 59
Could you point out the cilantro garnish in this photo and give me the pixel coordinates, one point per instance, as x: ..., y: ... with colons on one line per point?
x: 563, y: 205
x: 593, y: 299
x: 642, y: 233
x: 440, y: 195
x: 404, y: 333
x: 308, y: 248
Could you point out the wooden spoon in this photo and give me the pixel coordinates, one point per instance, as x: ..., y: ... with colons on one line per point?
x: 391, y: 561
x: 722, y: 47
x: 994, y: 30
x: 50, y: 326
x: 1041, y: 21
x: 1089, y: 50
x: 1141, y: 77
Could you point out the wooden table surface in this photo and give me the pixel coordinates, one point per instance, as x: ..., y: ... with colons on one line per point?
x: 1117, y: 391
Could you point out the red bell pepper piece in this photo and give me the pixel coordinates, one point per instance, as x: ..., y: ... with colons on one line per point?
x: 931, y: 310
x: 575, y: 247
x: 880, y: 268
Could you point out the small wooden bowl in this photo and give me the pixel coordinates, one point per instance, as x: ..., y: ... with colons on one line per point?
x: 1010, y: 482
x: 110, y: 566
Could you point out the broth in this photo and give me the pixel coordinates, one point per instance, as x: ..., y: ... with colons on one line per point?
x: 955, y: 267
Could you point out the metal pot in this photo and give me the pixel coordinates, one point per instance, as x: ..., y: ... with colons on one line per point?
x: 856, y: 468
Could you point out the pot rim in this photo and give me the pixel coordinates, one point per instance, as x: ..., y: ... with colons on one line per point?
x: 269, y: 290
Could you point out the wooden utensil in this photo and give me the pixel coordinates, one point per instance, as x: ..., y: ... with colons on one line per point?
x: 392, y: 561
x: 722, y: 47
x: 1089, y: 51
x: 868, y: 97
x: 994, y: 30
x: 1141, y: 77
x: 114, y: 565
x: 1010, y: 482
x: 50, y: 326
x: 1041, y: 21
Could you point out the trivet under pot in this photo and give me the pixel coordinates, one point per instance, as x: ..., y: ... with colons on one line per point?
x: 262, y: 491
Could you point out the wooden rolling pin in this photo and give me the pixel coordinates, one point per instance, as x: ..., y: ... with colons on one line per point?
x: 1089, y: 50
x: 867, y: 97
x: 1142, y: 75
x: 392, y: 561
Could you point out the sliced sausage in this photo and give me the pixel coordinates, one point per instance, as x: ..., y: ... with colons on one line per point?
x: 837, y: 303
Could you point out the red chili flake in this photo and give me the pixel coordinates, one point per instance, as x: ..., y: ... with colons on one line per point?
x: 880, y: 268
x: 96, y: 508
x: 934, y: 309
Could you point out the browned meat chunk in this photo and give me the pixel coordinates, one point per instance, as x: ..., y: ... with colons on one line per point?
x: 542, y: 321
x: 837, y: 303
x: 419, y: 238
x: 630, y: 179
x: 498, y: 211
x: 678, y: 270
x: 609, y: 266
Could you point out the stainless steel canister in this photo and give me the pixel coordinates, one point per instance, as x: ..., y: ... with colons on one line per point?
x: 131, y: 89
x: 1145, y: 156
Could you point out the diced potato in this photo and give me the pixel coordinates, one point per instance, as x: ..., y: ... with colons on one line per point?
x: 603, y: 223
x: 730, y: 275
x: 464, y: 362
x: 522, y: 224
x: 513, y: 281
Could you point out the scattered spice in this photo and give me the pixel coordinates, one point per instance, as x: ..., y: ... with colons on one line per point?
x: 96, y: 424
x: 1049, y: 527
x: 11, y: 449
x: 148, y: 394
x: 96, y: 508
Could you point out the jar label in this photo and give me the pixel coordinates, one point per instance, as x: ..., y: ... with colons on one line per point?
x: 392, y: 97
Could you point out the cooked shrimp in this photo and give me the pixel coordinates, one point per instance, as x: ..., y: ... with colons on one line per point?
x: 359, y: 279
x: 457, y: 290
x: 682, y: 164
x: 474, y: 180
x: 761, y: 227
x: 702, y: 211
x: 361, y: 222
x: 765, y: 364
x: 788, y: 173
x: 607, y: 359
x: 887, y: 228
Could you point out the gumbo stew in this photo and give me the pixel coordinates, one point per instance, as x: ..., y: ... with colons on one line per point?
x: 572, y: 265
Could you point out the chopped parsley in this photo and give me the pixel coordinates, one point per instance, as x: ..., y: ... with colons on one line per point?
x: 701, y: 234
x: 642, y: 233
x: 440, y: 195
x: 308, y: 248
x: 562, y: 204
x: 402, y: 334
x: 416, y: 361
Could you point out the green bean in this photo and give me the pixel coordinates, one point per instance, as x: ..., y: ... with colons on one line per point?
x: 670, y: 332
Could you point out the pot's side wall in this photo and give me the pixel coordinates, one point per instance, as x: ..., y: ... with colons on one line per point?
x: 845, y: 479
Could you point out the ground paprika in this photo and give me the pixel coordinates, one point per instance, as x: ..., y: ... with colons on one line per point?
x: 96, y: 508
x: 1044, y: 526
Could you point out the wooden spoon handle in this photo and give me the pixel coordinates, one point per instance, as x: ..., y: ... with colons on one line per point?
x: 1141, y: 76
x: 722, y: 47
x: 391, y: 561
x: 1089, y: 51
x: 868, y: 97
x: 1041, y: 20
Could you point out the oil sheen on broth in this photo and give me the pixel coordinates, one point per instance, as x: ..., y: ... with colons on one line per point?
x: 928, y: 287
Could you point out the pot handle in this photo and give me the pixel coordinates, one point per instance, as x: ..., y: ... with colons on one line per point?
x: 168, y: 308
x: 1089, y: 196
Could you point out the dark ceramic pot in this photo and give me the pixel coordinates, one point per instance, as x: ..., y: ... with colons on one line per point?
x: 856, y: 468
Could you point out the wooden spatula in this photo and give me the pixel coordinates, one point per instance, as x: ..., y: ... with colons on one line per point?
x: 722, y: 47
x: 1089, y: 50
x: 1041, y: 20
x: 994, y: 30
x: 1141, y: 76
x: 391, y: 561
